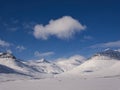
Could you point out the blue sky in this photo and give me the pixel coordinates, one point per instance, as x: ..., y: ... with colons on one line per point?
x: 33, y: 29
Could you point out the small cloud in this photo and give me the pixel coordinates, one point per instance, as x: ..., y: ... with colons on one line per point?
x: 4, y: 43
x: 87, y: 37
x: 11, y: 25
x: 20, y: 48
x: 107, y: 44
x: 45, y: 54
x: 118, y: 50
x: 13, y: 29
x: 72, y: 58
x: 63, y: 28
x: 14, y: 25
x: 28, y: 27
x: 15, y: 21
x: 9, y: 51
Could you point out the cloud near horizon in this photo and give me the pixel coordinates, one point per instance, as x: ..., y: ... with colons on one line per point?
x: 107, y: 44
x: 45, y: 54
x: 4, y: 43
x: 20, y: 48
x: 62, y: 28
x: 71, y: 58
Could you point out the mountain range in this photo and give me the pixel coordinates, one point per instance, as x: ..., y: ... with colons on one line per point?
x: 101, y: 64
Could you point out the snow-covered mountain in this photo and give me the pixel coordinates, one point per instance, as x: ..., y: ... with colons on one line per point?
x: 101, y: 64
x: 9, y: 63
x: 113, y: 54
x: 13, y: 64
x: 7, y: 55
x: 69, y: 63
x: 45, y: 66
x: 5, y: 69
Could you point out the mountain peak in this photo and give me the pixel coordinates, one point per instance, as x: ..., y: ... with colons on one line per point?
x: 109, y: 53
x: 42, y: 61
x: 7, y: 55
x: 107, y: 49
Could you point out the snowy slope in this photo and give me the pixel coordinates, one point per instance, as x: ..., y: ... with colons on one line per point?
x: 36, y: 68
x: 45, y: 66
x: 113, y: 54
x: 8, y: 60
x: 101, y: 64
x: 7, y: 70
x: 69, y: 63
x: 93, y: 67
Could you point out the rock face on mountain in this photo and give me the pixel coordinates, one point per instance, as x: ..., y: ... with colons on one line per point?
x: 7, y: 55
x: 113, y: 54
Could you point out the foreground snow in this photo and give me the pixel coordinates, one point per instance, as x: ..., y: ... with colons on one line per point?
x: 63, y: 84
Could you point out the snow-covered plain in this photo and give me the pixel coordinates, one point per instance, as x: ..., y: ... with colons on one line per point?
x: 63, y: 84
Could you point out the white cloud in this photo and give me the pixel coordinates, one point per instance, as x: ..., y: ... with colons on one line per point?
x: 107, y: 45
x: 13, y: 25
x: 4, y: 43
x: 9, y: 51
x: 63, y: 28
x: 87, y: 37
x: 13, y: 29
x: 72, y: 58
x: 20, y: 48
x: 39, y: 54
x: 118, y: 50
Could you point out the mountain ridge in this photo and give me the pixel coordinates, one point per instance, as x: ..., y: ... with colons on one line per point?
x: 101, y: 62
